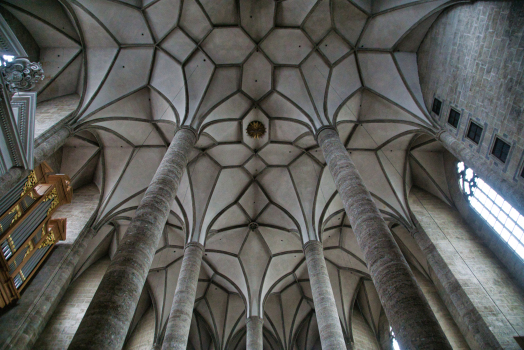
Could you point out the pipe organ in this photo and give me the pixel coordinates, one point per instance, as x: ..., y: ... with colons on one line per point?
x: 28, y: 231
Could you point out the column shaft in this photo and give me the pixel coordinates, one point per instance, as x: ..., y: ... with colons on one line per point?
x: 513, y: 191
x: 331, y: 336
x: 106, y: 322
x: 254, y: 334
x: 407, y: 310
x: 179, y: 322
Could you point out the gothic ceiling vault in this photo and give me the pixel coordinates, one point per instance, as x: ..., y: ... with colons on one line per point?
x: 142, y: 68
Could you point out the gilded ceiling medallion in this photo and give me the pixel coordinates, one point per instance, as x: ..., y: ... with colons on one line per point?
x: 256, y: 129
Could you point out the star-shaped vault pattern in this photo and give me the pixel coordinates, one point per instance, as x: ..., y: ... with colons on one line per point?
x: 143, y: 68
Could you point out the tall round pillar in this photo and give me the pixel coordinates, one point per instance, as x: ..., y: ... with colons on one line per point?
x: 179, y: 321
x: 407, y: 310
x: 331, y: 336
x: 254, y: 334
x: 107, y: 320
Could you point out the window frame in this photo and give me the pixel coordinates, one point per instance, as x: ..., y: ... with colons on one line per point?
x: 495, y: 139
x: 471, y: 123
x: 439, y: 107
x: 458, y: 119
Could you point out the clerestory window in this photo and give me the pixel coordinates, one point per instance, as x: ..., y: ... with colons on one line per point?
x: 499, y: 214
x: 501, y: 150
x: 474, y: 132
x: 437, y: 105
x: 393, y: 339
x: 454, y: 118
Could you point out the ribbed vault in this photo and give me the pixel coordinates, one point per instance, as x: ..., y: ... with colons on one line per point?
x: 145, y: 68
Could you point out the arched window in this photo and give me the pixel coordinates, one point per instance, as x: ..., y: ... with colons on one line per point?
x: 498, y: 213
x: 393, y: 339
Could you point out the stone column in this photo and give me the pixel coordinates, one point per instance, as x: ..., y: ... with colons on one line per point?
x: 254, y: 335
x: 331, y: 336
x: 513, y: 191
x: 41, y: 153
x: 107, y: 320
x: 407, y: 310
x: 179, y: 322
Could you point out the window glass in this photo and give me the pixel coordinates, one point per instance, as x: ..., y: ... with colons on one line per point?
x: 437, y: 105
x: 501, y: 150
x: 474, y: 132
x: 498, y: 213
x: 454, y: 118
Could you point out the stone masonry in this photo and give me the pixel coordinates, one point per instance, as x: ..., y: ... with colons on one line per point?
x: 143, y: 336
x: 471, y: 59
x: 63, y: 324
x: 484, y: 280
x: 49, y: 113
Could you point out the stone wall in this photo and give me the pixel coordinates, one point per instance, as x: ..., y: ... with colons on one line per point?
x: 62, y: 326
x: 50, y: 112
x: 471, y: 59
x: 363, y: 336
x: 143, y: 336
x: 455, y: 337
x: 78, y: 212
x: 488, y: 287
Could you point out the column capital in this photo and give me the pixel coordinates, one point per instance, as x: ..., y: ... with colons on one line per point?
x: 439, y: 133
x: 312, y: 243
x: 256, y: 319
x: 194, y: 244
x: 190, y: 128
x: 325, y: 127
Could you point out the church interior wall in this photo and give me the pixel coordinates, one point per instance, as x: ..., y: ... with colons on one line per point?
x: 485, y: 281
x: 65, y: 320
x: 471, y: 59
x: 143, y: 336
x: 363, y: 336
x: 486, y: 274
x: 450, y: 328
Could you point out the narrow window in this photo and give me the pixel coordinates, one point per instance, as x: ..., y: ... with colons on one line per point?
x: 500, y: 150
x: 474, y: 132
x: 393, y: 339
x: 499, y: 214
x: 437, y: 105
x: 454, y: 118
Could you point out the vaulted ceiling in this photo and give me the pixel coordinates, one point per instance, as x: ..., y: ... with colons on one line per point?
x: 141, y: 69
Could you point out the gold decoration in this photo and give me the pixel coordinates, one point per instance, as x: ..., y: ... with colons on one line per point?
x: 256, y: 129
x: 29, y: 249
x: 52, y: 196
x: 11, y: 244
x: 22, y: 275
x: 31, y: 182
x: 18, y: 213
x: 50, y: 240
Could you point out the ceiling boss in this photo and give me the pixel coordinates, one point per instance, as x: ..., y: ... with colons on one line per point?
x: 256, y: 129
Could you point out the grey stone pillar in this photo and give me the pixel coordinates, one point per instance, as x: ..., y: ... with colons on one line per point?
x: 254, y: 333
x: 513, y: 191
x: 179, y: 321
x: 41, y: 153
x: 407, y: 310
x: 107, y: 320
x: 331, y: 336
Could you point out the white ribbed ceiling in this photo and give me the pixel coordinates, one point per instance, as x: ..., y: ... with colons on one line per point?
x: 144, y: 68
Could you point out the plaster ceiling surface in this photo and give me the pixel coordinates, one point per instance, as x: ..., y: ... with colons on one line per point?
x: 146, y: 68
